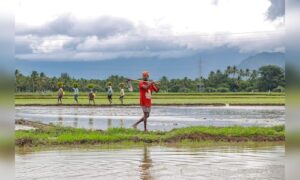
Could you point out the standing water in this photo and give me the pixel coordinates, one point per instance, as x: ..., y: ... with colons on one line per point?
x: 155, y: 162
x: 162, y: 117
x: 202, y: 161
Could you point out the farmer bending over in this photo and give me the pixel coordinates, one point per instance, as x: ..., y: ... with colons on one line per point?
x: 146, y: 88
x: 92, y: 97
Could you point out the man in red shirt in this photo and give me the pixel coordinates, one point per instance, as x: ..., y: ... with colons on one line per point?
x: 146, y: 88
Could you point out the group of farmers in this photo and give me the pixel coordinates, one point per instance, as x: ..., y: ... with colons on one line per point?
x: 91, y: 95
x: 146, y: 88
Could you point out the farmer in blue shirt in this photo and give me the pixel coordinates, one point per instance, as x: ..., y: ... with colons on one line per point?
x: 109, y: 92
x: 76, y: 92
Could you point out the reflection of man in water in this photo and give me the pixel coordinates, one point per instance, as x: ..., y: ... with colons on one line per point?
x: 109, y: 123
x: 146, y: 165
x: 75, y: 123
x: 60, y: 120
x: 122, y: 123
x: 91, y: 123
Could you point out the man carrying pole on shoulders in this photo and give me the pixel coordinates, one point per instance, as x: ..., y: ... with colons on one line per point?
x: 146, y: 88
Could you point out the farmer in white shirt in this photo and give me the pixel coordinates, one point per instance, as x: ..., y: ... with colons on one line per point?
x: 76, y: 92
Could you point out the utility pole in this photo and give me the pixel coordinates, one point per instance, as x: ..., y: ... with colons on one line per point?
x: 200, y: 85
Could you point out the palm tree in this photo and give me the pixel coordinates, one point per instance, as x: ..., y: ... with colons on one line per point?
x: 17, y: 72
x: 241, y: 73
x: 247, y: 73
x: 17, y: 78
x: 164, y: 83
x: 234, y: 71
x: 34, y: 78
x: 254, y: 75
x: 42, y: 81
x: 228, y: 70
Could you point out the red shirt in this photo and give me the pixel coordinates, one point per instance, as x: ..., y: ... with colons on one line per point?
x: 145, y: 94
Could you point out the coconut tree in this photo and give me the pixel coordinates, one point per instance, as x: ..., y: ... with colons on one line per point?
x: 247, y: 73
x: 241, y: 73
x: 17, y: 79
x: 234, y: 71
x: 228, y: 70
x: 254, y: 75
x: 164, y: 83
x: 34, y: 78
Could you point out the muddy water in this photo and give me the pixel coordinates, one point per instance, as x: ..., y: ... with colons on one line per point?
x: 162, y: 117
x: 154, y: 162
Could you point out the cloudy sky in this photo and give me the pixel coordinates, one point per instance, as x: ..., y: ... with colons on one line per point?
x: 101, y: 30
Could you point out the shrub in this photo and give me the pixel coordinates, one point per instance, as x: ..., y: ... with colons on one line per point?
x: 91, y: 86
x: 60, y: 84
x: 75, y: 85
x: 183, y: 89
x: 279, y: 89
x: 210, y: 89
x: 250, y: 89
x: 223, y: 89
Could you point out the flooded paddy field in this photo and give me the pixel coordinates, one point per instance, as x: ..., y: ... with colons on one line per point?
x: 162, y: 117
x: 258, y: 161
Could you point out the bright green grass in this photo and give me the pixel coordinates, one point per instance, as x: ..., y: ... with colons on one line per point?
x: 66, y: 135
x: 162, y: 98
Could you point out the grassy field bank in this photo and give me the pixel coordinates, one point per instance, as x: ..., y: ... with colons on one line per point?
x: 55, y: 135
x: 159, y: 99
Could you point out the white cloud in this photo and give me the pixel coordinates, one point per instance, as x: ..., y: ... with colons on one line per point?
x: 100, y: 29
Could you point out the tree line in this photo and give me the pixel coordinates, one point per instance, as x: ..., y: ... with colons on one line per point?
x: 266, y: 78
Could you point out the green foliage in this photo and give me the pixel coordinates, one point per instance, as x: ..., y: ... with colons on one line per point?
x: 232, y: 79
x: 223, y: 89
x: 66, y: 135
x: 279, y: 89
x: 210, y: 89
x: 75, y: 85
x: 60, y: 84
x: 91, y: 86
x: 270, y: 77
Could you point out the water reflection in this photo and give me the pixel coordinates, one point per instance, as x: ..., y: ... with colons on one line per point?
x: 146, y: 164
x: 91, y: 123
x: 60, y: 120
x: 122, y: 123
x: 154, y: 162
x: 91, y: 120
x: 162, y: 118
x: 75, y: 122
x: 109, y: 123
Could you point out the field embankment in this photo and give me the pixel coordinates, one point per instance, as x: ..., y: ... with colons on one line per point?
x: 56, y: 135
x: 23, y: 99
